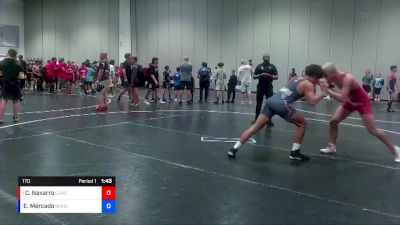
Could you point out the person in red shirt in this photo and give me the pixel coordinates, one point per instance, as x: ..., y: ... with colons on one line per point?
x: 51, y: 74
x: 82, y: 74
x: 69, y: 76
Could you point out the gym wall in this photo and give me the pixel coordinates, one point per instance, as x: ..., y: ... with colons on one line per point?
x: 11, y: 13
x: 73, y: 29
x: 355, y: 34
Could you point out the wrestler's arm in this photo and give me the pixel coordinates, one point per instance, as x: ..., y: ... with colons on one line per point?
x: 343, y: 95
x: 309, y: 92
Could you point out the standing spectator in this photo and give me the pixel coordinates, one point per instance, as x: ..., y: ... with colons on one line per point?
x: 366, y: 81
x: 233, y: 80
x: 153, y: 81
x: 266, y: 73
x: 392, y: 83
x: 245, y: 73
x: 204, y: 75
x: 292, y: 74
x: 69, y: 76
x: 82, y: 74
x: 126, y: 78
x: 135, y: 82
x: 89, y: 78
x: 61, y: 74
x: 186, y: 79
x: 10, y: 72
x: 378, y: 84
x: 112, y: 78
x: 220, y: 86
x: 167, y: 83
x: 120, y: 74
x: 102, y: 83
x: 177, y: 84
x: 51, y: 74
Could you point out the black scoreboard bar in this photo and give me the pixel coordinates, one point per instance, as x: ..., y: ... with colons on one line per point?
x: 66, y: 181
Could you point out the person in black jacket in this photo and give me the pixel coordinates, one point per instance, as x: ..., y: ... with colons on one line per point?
x: 233, y: 80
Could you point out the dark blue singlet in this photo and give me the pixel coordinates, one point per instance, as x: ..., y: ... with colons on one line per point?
x: 280, y: 103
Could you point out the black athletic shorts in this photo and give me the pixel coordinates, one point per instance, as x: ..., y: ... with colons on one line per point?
x: 377, y: 91
x: 367, y: 88
x: 188, y: 85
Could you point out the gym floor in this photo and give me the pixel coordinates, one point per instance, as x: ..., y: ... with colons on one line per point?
x: 171, y: 166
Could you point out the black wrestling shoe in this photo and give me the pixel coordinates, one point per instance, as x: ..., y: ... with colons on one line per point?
x: 232, y: 153
x: 388, y: 109
x: 296, y: 155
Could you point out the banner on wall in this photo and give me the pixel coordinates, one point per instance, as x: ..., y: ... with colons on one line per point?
x: 9, y: 36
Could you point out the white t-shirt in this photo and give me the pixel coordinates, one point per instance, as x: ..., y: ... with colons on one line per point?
x: 112, y: 71
x: 244, y: 73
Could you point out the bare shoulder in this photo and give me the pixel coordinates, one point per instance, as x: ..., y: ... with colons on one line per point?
x: 305, y: 86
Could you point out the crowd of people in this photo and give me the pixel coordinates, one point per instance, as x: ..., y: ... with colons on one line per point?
x: 103, y: 78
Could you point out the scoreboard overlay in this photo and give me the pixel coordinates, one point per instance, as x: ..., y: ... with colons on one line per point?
x: 67, y: 195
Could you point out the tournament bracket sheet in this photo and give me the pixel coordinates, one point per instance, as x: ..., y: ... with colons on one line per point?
x: 66, y: 195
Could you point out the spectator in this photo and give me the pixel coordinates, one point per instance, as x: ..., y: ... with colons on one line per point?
x: 102, y: 82
x: 366, y: 81
x: 204, y: 75
x: 186, y: 79
x: 392, y: 85
x: 220, y: 85
x: 10, y: 72
x: 293, y: 74
x: 245, y: 73
x: 233, y: 80
x: 153, y: 81
x: 378, y: 84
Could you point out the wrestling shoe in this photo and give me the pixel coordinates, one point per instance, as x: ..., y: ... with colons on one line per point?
x: 397, y: 150
x: 390, y: 110
x: 296, y: 155
x: 330, y: 149
x: 232, y: 153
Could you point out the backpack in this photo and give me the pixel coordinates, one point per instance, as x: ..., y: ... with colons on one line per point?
x: 141, y: 76
x: 204, y: 73
x: 106, y: 74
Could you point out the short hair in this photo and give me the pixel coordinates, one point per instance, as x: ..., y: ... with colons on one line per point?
x: 186, y: 59
x: 178, y: 69
x: 204, y: 64
x: 314, y: 70
x: 266, y: 54
x: 166, y: 67
x: 127, y: 55
x: 112, y: 61
x: 393, y: 67
x: 243, y: 62
x: 221, y: 64
x: 330, y: 67
x: 154, y: 59
x: 12, y: 53
x: 54, y: 58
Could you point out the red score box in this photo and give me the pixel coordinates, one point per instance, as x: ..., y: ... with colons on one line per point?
x: 108, y: 193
